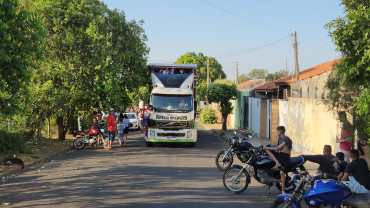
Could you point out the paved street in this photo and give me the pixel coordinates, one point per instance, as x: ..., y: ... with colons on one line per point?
x: 133, y: 176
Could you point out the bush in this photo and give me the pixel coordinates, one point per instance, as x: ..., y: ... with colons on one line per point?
x: 12, y: 143
x: 208, y: 116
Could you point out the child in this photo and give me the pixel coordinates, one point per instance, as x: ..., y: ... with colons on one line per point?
x: 342, y: 164
x: 126, y: 123
x: 121, y: 129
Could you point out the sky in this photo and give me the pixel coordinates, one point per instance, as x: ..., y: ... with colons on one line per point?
x: 256, y: 34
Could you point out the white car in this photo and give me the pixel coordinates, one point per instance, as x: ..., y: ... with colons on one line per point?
x: 134, y: 120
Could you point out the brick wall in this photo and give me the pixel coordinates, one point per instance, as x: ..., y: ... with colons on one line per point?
x: 263, y: 119
x: 274, y: 120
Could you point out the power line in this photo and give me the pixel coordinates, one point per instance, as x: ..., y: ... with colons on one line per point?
x: 255, y: 48
x: 315, y: 46
x: 244, y: 18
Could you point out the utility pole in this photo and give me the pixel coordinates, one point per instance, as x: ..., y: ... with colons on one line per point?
x: 296, y: 57
x: 236, y: 73
x: 208, y: 81
x: 220, y: 76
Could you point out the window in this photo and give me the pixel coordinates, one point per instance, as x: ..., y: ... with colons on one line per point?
x: 316, y: 93
x: 172, y: 103
x: 308, y: 92
x: 300, y: 92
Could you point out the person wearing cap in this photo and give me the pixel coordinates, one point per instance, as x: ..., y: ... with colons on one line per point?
x: 111, y: 129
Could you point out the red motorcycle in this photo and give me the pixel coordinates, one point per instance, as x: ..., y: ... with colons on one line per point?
x: 94, y: 136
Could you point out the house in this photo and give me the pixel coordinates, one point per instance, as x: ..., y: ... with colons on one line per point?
x: 296, y: 105
x: 238, y: 119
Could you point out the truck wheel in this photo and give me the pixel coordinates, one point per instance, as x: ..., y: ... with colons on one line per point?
x: 149, y: 144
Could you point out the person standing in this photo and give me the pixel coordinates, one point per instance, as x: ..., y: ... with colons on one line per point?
x: 121, y: 129
x: 141, y: 115
x: 111, y: 129
x: 126, y: 123
x: 346, y: 136
x: 281, y: 154
x: 147, y: 114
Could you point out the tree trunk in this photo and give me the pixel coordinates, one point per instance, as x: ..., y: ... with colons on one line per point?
x: 224, y: 122
x: 9, y: 125
x: 39, y: 129
x: 61, y: 132
x: 49, y: 127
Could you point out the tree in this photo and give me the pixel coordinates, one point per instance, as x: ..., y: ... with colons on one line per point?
x: 242, y: 78
x: 215, y: 70
x: 221, y: 92
x: 351, y: 35
x: 277, y: 75
x: 21, y: 41
x: 93, y: 57
x: 258, y: 74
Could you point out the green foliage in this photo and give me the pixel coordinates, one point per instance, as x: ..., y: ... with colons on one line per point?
x: 243, y: 78
x: 221, y: 92
x: 95, y: 58
x: 12, y: 143
x: 258, y: 74
x: 208, y: 116
x: 21, y: 42
x: 277, y: 75
x: 215, y: 70
x: 351, y: 35
x: 142, y: 94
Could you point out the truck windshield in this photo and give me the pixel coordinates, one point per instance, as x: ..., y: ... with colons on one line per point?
x: 172, y: 103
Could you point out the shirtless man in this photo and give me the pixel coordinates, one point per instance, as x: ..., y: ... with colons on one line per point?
x: 281, y: 154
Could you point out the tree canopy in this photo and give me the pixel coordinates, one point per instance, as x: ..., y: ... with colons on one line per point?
x: 277, y: 75
x: 242, y: 78
x: 221, y: 92
x: 258, y: 74
x: 215, y: 70
x: 21, y: 40
x: 351, y: 35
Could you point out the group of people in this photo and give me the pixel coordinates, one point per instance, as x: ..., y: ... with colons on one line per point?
x: 355, y: 173
x: 144, y: 115
x: 169, y: 71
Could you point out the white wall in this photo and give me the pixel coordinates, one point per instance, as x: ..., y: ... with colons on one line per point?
x: 310, y: 124
x: 254, y: 115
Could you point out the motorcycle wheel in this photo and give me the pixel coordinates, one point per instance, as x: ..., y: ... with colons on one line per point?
x: 224, y: 164
x: 233, y: 184
x: 79, y: 143
x: 278, y: 202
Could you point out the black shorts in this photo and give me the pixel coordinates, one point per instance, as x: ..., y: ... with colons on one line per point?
x: 125, y: 131
x: 284, y: 159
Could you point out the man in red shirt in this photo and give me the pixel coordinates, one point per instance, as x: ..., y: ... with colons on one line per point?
x: 111, y: 129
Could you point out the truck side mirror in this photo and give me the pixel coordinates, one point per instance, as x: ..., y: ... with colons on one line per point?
x: 195, y: 107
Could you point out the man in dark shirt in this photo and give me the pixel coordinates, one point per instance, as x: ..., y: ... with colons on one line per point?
x: 342, y: 164
x: 281, y: 154
x: 358, y: 173
x: 327, y: 162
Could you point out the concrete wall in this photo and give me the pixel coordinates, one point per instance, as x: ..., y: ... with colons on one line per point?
x: 309, y: 124
x: 311, y: 88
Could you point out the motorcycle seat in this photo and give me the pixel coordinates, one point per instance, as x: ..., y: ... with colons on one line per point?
x: 358, y: 200
x: 296, y: 161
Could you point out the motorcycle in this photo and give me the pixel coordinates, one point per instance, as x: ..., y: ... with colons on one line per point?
x: 322, y: 193
x: 238, y: 146
x: 236, y: 179
x: 93, y: 137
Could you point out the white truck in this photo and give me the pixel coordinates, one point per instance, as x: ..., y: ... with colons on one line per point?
x: 173, y: 98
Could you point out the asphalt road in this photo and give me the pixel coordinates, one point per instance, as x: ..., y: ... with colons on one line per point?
x: 133, y: 176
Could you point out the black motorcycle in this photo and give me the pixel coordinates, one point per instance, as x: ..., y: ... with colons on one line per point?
x: 238, y: 146
x: 236, y: 179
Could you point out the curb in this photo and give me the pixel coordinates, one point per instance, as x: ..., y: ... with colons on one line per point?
x: 30, y: 166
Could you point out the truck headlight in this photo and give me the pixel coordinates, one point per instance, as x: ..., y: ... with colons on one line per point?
x: 190, y: 134
x: 152, y: 133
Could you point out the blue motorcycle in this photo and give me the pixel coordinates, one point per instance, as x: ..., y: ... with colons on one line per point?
x: 322, y: 193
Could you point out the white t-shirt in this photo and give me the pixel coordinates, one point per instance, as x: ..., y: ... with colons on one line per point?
x: 166, y: 72
x: 126, y: 122
x: 148, y: 113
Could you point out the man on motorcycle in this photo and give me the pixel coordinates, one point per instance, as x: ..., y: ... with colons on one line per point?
x: 281, y: 154
x: 328, y: 163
